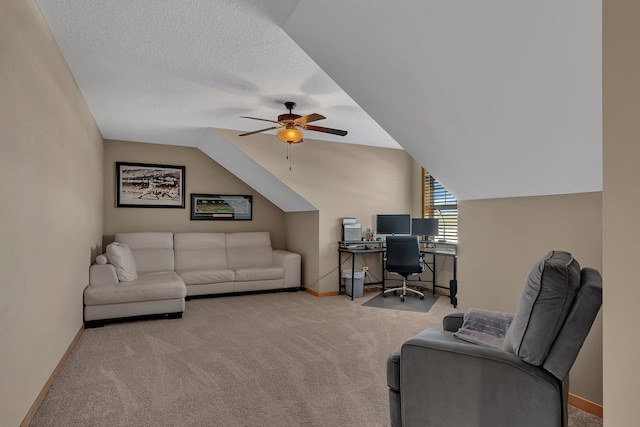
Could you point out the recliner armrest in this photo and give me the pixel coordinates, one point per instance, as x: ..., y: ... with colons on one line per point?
x: 447, y: 381
x: 453, y: 321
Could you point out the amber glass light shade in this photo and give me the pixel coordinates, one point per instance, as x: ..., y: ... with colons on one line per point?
x: 290, y: 134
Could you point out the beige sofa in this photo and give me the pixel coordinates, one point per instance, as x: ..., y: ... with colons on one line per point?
x: 165, y: 268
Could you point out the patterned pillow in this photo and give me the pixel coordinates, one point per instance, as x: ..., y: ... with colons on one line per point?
x: 484, y: 327
x: 549, y: 291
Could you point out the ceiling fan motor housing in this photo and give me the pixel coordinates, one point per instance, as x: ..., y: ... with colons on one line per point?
x: 288, y: 117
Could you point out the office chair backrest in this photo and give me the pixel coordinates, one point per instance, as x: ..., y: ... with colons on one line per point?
x: 403, y: 254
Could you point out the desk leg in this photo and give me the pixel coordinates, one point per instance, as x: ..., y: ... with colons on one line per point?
x: 382, y: 270
x: 353, y: 276
x: 339, y: 273
x: 453, y: 284
x: 434, y: 275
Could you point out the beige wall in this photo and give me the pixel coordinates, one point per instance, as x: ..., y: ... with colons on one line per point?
x: 51, y: 210
x: 202, y: 175
x: 621, y: 204
x: 303, y: 237
x: 341, y: 180
x: 501, y: 239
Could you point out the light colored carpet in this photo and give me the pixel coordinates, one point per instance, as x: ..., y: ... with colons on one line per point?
x: 412, y: 302
x: 277, y: 359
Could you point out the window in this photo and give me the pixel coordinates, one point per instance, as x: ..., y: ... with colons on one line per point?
x: 437, y: 202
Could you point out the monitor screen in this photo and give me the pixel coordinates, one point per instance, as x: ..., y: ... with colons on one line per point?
x: 424, y: 226
x: 393, y: 224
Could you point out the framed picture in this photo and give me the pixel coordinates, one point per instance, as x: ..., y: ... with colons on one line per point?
x: 142, y: 185
x: 220, y: 207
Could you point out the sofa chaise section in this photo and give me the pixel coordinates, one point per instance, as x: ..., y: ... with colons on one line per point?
x: 157, y: 290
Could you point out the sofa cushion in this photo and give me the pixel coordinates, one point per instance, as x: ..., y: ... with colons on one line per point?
x: 200, y: 251
x: 204, y: 277
x: 259, y: 273
x: 153, y: 251
x: 251, y: 249
x: 147, y: 287
x: 549, y: 291
x: 121, y: 257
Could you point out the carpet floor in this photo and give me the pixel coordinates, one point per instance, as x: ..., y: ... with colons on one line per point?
x: 275, y: 359
x: 412, y: 302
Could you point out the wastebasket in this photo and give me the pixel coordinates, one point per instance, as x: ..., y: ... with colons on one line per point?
x: 358, y: 285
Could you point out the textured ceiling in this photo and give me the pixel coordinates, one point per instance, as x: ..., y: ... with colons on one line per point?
x: 498, y: 98
x: 148, y: 68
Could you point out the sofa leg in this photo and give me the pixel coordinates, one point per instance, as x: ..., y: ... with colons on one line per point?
x: 93, y: 324
x: 175, y: 315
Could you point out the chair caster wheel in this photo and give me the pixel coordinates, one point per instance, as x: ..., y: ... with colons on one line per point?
x: 384, y: 295
x: 402, y: 299
x: 421, y: 296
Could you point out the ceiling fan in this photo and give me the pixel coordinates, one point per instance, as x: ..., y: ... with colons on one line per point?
x: 292, y: 125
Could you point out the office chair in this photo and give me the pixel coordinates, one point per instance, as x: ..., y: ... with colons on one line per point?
x: 403, y: 258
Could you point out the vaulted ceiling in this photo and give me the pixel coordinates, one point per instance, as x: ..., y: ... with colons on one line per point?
x: 497, y: 98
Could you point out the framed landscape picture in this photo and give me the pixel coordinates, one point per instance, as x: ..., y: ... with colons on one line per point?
x: 220, y: 207
x: 143, y: 185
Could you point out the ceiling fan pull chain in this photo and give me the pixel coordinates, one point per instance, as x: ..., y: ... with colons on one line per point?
x: 289, y: 155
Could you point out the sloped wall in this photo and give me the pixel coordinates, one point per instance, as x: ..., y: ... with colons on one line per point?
x: 341, y: 180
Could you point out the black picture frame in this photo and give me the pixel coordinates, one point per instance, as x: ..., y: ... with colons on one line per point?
x: 146, y: 185
x: 221, y: 207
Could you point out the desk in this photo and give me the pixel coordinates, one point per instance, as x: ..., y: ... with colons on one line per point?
x: 375, y: 247
x: 453, y: 284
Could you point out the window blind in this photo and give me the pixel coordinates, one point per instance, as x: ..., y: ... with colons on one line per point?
x: 439, y: 203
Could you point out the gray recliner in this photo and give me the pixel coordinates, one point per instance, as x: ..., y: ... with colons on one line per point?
x: 499, y: 369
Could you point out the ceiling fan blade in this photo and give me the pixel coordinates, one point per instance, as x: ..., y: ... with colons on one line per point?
x: 327, y: 130
x: 310, y: 118
x: 258, y: 131
x: 255, y: 118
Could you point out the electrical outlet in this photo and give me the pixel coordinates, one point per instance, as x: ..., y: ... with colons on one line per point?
x: 365, y: 269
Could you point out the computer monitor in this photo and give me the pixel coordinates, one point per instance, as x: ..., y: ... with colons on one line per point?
x: 393, y: 224
x: 424, y: 227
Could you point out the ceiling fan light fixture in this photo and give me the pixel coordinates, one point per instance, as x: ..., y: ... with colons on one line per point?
x: 290, y: 134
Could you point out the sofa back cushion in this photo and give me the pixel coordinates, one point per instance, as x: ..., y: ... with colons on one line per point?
x: 153, y: 251
x: 548, y: 294
x: 200, y: 251
x: 252, y: 249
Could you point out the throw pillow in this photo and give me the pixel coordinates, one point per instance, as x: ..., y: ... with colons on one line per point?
x: 121, y: 257
x: 549, y: 291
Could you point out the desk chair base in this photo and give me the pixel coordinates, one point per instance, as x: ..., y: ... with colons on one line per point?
x: 404, y: 290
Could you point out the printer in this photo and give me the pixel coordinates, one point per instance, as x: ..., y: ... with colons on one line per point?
x: 351, y: 230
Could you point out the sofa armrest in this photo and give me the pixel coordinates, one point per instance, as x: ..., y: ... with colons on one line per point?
x: 102, y: 275
x: 453, y: 321
x: 291, y: 263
